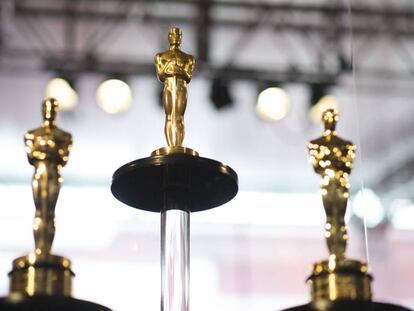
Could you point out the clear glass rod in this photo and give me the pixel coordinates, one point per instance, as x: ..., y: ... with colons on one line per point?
x: 175, y: 260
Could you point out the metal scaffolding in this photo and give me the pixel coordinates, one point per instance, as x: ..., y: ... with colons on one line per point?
x: 325, y: 29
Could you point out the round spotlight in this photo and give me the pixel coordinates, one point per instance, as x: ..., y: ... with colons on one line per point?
x: 324, y: 103
x: 367, y: 205
x: 114, y: 96
x: 61, y: 90
x: 272, y: 104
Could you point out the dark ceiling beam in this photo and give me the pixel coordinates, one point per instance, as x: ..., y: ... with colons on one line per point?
x: 304, y: 26
x: 70, y: 25
x: 203, y: 31
x: 81, y: 65
x: 367, y: 10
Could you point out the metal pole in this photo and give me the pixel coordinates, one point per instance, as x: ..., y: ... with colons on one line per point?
x: 175, y: 260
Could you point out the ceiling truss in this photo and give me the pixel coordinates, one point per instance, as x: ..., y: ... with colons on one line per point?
x: 330, y: 23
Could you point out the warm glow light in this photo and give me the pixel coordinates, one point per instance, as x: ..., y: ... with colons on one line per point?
x: 61, y: 90
x: 325, y: 102
x: 367, y: 205
x: 114, y: 96
x: 272, y: 104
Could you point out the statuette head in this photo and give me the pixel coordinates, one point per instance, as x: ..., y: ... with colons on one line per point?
x: 50, y: 108
x: 330, y: 118
x: 174, y: 37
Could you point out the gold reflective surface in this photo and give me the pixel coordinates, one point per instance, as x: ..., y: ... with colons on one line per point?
x: 171, y: 150
x: 175, y: 69
x: 46, y: 275
x: 340, y: 279
x: 47, y: 150
x: 332, y: 158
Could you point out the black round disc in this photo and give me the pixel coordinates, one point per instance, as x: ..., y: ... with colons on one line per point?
x: 350, y: 305
x: 203, y: 182
x: 48, y: 303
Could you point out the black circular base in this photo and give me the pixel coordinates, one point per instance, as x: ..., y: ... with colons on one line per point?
x: 48, y: 303
x: 349, y: 305
x: 174, y: 181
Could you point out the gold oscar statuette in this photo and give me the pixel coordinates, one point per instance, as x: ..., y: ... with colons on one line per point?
x: 338, y: 277
x: 175, y: 69
x: 174, y: 181
x: 47, y: 149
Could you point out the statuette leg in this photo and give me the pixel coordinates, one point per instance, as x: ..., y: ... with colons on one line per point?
x: 175, y: 102
x: 46, y: 185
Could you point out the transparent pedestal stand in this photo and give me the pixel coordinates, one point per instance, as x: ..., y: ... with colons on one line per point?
x: 175, y: 260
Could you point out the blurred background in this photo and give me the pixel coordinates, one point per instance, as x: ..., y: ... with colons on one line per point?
x: 256, y: 251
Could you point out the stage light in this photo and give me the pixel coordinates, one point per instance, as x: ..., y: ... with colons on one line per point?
x: 367, y: 205
x: 114, y: 96
x: 220, y: 94
x: 61, y: 90
x: 321, y: 101
x: 272, y: 104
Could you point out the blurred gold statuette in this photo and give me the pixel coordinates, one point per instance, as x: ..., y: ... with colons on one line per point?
x: 47, y: 149
x: 337, y: 277
x: 175, y: 69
